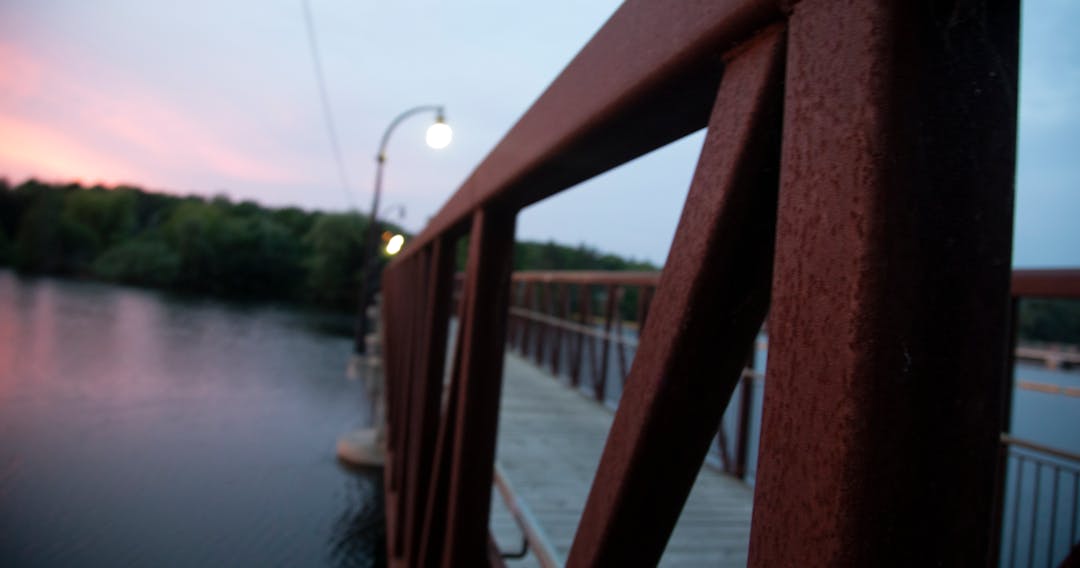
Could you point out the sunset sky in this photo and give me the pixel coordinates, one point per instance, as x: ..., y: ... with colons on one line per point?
x: 213, y: 97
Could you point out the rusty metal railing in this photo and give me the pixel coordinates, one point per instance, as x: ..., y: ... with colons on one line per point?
x: 555, y: 322
x: 855, y: 183
x: 582, y: 324
x: 585, y: 326
x: 1012, y: 496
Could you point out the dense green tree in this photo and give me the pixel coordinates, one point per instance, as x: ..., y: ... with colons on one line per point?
x: 51, y: 243
x: 143, y: 262
x: 1052, y: 321
x: 334, y: 265
x: 108, y: 214
x: 7, y: 251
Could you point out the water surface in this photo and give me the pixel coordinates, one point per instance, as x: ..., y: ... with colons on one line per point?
x: 142, y: 429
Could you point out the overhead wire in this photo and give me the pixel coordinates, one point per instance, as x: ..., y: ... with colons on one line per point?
x: 324, y: 96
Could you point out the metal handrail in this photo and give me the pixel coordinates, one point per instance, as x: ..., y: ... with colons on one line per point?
x: 1008, y: 440
x: 535, y: 536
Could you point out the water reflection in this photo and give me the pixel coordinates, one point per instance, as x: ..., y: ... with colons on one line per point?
x: 358, y: 539
x: 141, y: 429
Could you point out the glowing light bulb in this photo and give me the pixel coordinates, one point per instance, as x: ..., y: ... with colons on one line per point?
x: 439, y: 135
x: 393, y: 246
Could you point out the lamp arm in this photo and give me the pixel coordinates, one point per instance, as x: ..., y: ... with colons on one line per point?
x: 380, y: 159
x: 381, y: 156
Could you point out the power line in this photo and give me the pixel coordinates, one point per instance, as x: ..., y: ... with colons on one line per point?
x: 325, y: 97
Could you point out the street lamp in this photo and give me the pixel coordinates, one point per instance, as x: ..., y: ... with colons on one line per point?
x: 438, y: 137
x: 394, y: 244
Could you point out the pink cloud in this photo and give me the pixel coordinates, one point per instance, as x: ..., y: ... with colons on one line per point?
x: 33, y: 150
x: 52, y: 124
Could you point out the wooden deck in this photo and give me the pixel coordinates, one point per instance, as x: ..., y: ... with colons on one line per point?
x: 550, y: 441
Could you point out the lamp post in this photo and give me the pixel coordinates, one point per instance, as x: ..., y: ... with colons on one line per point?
x: 438, y: 136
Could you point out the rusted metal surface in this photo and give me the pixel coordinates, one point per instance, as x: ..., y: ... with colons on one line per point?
x: 711, y: 300
x: 425, y: 400
x: 483, y: 329
x: 888, y: 331
x: 647, y: 78
x: 1047, y: 283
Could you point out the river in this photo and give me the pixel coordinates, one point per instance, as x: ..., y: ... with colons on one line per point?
x: 139, y: 428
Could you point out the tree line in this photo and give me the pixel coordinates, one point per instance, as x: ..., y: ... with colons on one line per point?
x: 213, y: 246
x: 220, y: 247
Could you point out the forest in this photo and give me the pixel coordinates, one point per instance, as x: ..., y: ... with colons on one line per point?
x: 215, y: 246
x: 242, y: 250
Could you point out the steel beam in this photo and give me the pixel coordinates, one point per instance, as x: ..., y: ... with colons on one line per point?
x: 711, y: 300
x: 483, y: 338
x: 888, y: 333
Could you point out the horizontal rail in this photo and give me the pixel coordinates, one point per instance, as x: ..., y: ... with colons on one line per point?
x: 1033, y: 283
x: 572, y: 326
x: 1035, y: 447
x: 1046, y: 283
x: 588, y: 277
x: 526, y: 521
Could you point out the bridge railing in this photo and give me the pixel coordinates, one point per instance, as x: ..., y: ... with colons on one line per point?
x: 583, y: 326
x: 855, y: 182
x: 1038, y: 498
x: 1043, y: 498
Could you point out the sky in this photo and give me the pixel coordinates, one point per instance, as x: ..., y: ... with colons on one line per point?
x: 210, y: 97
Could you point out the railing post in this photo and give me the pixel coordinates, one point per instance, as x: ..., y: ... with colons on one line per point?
x: 1001, y: 471
x: 584, y: 339
x: 600, y: 386
x: 529, y: 324
x: 487, y: 284
x: 746, y: 407
x: 427, y: 393
x: 562, y: 298
x: 620, y: 341
x: 543, y: 328
x: 888, y: 333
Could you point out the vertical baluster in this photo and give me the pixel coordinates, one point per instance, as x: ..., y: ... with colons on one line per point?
x: 746, y: 408
x: 601, y: 385
x: 590, y: 336
x: 620, y: 339
x: 1034, y: 513
x: 577, y: 342
x: 528, y: 319
x: 1016, y: 508
x: 1053, y: 516
x: 1076, y: 505
x: 562, y: 299
x: 543, y: 327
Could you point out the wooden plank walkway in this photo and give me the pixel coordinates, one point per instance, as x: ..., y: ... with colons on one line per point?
x: 549, y: 445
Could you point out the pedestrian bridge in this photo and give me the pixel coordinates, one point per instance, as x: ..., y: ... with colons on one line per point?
x: 855, y: 186
x: 549, y: 446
